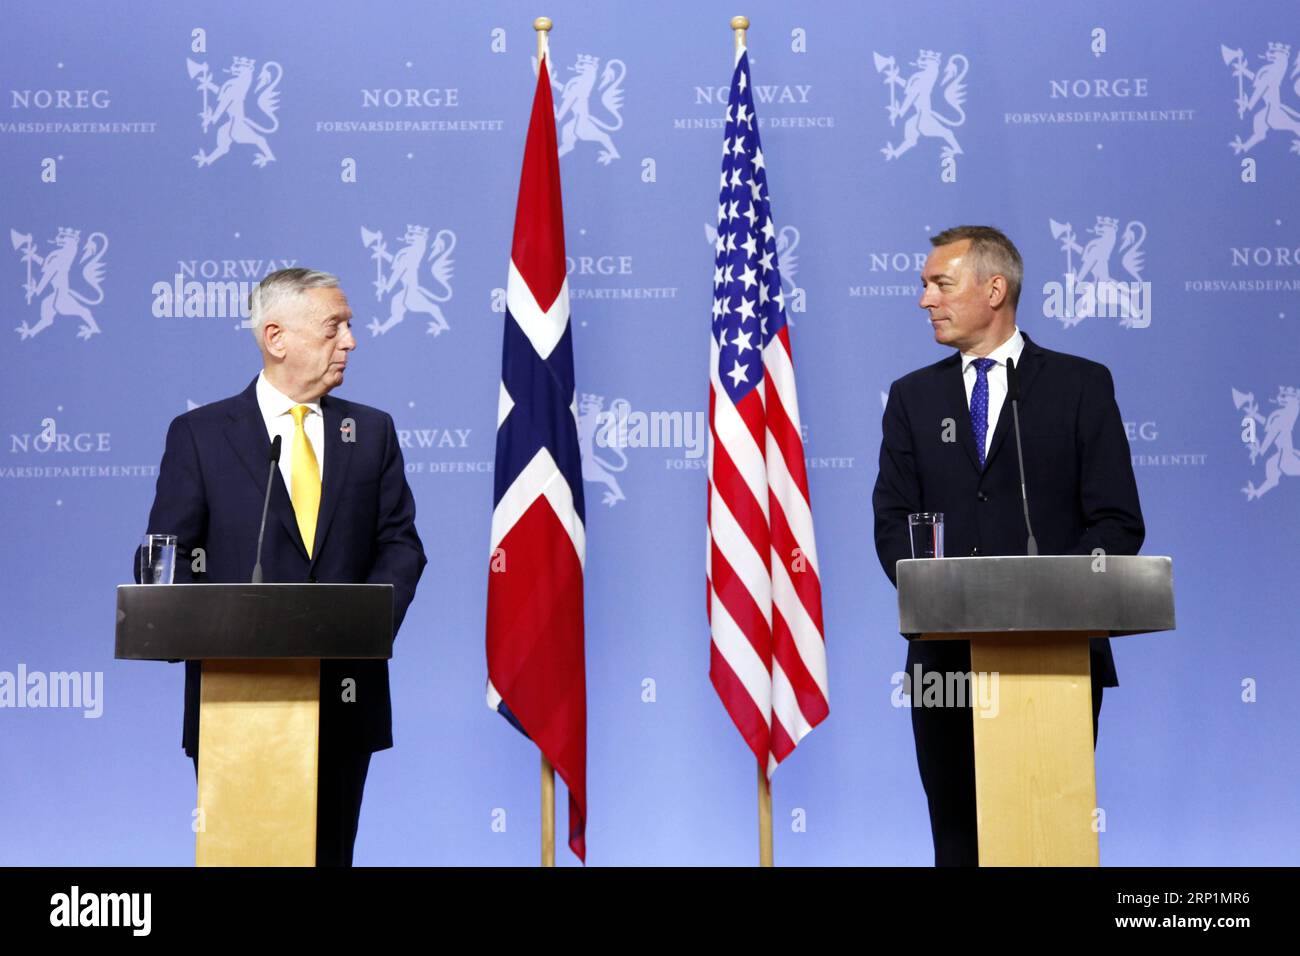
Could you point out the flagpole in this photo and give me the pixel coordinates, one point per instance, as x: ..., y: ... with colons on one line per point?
x: 548, y: 813
x: 543, y: 27
x: 740, y: 25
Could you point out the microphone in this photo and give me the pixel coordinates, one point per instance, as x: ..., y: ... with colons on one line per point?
x: 1013, y: 394
x: 266, y: 503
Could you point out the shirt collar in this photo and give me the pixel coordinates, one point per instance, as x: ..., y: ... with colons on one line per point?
x: 275, y: 403
x: 1011, y: 348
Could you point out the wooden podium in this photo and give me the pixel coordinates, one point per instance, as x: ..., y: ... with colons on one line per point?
x: 1028, y: 620
x: 259, y: 718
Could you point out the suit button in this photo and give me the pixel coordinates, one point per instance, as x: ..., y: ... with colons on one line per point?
x: 974, y: 552
x: 981, y: 497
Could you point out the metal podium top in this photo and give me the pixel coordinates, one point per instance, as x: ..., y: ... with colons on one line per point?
x: 260, y: 621
x: 1122, y: 594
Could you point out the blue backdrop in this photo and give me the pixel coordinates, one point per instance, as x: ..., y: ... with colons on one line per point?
x: 1152, y: 144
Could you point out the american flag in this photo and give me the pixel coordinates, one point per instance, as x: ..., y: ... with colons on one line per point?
x: 536, y: 666
x: 765, y: 607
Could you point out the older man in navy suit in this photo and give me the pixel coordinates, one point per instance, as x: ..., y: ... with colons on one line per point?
x: 945, y: 449
x: 341, y: 512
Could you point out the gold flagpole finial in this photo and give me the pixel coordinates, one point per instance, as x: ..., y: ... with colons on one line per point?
x: 543, y: 27
x: 740, y: 25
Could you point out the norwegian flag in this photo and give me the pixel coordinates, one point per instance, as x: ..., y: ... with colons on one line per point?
x: 536, y: 665
x: 765, y: 604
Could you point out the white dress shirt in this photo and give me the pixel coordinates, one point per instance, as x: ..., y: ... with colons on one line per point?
x: 997, y: 375
x: 276, y: 413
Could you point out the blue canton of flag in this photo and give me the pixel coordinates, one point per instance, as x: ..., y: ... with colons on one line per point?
x: 748, y: 305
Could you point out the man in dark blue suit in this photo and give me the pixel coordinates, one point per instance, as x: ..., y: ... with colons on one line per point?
x: 945, y: 449
x: 341, y: 512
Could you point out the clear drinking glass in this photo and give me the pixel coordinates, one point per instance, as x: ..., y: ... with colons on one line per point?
x: 157, y: 558
x: 926, y: 532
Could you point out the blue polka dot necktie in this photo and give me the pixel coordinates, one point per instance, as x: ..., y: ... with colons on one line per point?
x: 979, y: 404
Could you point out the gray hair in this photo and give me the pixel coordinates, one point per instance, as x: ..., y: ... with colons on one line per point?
x: 278, y: 288
x: 991, y: 253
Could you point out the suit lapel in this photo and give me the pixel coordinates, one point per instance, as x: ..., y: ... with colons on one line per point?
x: 954, y: 399
x: 1027, y: 369
x: 246, y: 432
x: 338, y: 458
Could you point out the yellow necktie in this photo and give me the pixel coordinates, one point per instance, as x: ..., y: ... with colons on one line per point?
x: 305, y: 480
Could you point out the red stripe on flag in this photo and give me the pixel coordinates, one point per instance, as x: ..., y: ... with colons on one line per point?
x: 744, y: 508
x: 740, y: 604
x: 812, y: 704
x: 750, y: 410
x: 538, y: 250
x: 782, y: 745
x: 799, y: 569
x: 787, y: 438
x: 744, y: 712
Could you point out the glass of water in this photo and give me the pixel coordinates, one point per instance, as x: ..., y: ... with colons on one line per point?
x: 926, y: 531
x: 157, y: 558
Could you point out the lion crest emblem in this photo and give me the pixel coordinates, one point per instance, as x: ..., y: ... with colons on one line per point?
x: 230, y: 112
x: 597, y: 425
x: 402, y: 283
x: 916, y: 107
x: 573, y: 114
x: 56, y: 278
x: 1112, y: 294
x: 1279, y: 437
x: 1265, y: 97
